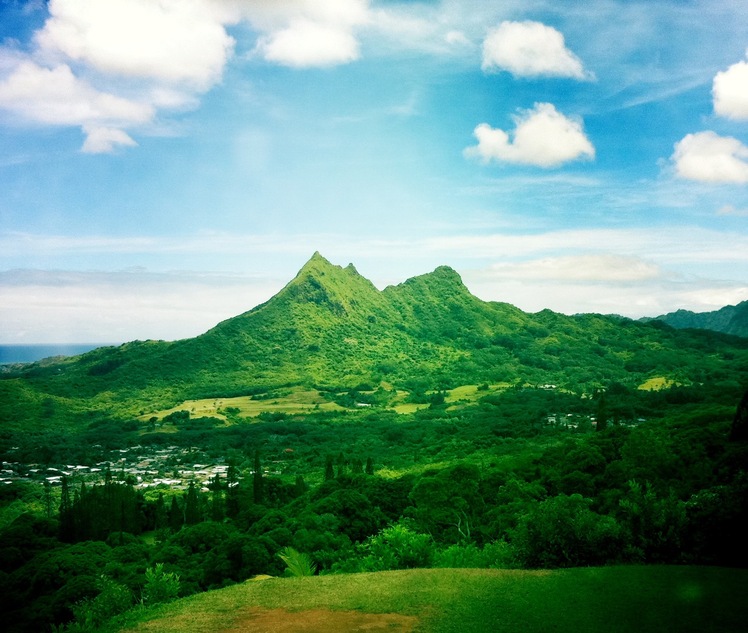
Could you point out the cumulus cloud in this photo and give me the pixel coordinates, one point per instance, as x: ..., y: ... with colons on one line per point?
x: 530, y: 49
x: 730, y: 92
x: 708, y: 157
x: 305, y: 44
x: 56, y: 96
x: 307, y: 33
x: 171, y: 40
x: 109, y: 67
x: 543, y: 137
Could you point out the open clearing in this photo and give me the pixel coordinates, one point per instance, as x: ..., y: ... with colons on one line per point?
x: 632, y: 599
x: 301, y: 400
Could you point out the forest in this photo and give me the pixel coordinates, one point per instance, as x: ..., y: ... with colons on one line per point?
x: 659, y: 477
x: 339, y: 429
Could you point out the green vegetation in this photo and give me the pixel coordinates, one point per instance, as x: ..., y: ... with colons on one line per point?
x: 729, y: 320
x: 331, y: 330
x: 588, y: 600
x: 338, y: 429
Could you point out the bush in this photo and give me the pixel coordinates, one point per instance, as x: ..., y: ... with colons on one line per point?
x: 396, y: 547
x: 90, y: 614
x: 160, y: 586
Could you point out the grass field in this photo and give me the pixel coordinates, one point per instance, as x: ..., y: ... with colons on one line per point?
x: 301, y: 400
x: 632, y: 599
x: 294, y: 401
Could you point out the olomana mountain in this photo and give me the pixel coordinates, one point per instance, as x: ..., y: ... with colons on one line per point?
x: 332, y: 328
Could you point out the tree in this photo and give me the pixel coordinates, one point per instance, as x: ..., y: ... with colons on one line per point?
x: 739, y: 430
x: 602, y: 413
x: 232, y: 493
x: 67, y: 520
x: 161, y: 516
x: 563, y: 531
x: 448, y: 502
x: 329, y: 469
x: 257, y: 487
x: 175, y: 516
x: 216, y: 502
x: 192, y: 506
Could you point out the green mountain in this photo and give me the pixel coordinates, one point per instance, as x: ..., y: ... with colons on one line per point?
x: 330, y: 327
x: 729, y: 320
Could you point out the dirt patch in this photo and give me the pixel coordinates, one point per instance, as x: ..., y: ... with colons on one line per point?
x: 257, y: 620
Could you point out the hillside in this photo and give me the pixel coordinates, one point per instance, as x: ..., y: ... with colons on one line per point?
x: 728, y: 320
x: 585, y: 600
x: 332, y: 328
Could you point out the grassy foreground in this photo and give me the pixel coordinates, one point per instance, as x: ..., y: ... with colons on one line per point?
x: 611, y: 599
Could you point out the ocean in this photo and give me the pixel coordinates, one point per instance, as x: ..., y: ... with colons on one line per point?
x: 31, y: 353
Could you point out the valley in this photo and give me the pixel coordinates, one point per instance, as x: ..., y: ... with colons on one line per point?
x: 346, y: 432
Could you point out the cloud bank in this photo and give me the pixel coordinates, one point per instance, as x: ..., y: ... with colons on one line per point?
x: 542, y: 137
x: 111, y: 67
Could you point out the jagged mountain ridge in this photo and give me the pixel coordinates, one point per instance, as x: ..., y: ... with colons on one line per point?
x: 732, y: 319
x: 330, y: 326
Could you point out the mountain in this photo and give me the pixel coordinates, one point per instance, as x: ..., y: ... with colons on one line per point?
x: 331, y: 328
x: 729, y: 320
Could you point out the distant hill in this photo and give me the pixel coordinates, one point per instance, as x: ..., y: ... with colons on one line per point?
x: 332, y: 328
x: 729, y: 320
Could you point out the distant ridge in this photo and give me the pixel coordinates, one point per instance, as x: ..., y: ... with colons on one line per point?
x: 728, y: 320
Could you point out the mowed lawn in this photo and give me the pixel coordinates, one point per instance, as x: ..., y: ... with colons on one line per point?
x: 634, y: 599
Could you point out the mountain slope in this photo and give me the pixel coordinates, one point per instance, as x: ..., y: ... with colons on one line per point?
x: 728, y: 320
x: 331, y: 327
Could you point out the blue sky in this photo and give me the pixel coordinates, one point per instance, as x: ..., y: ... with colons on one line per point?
x: 168, y: 164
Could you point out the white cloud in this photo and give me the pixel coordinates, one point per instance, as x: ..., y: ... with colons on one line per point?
x: 708, y: 157
x: 457, y: 38
x: 730, y: 92
x: 543, y: 137
x: 308, y: 44
x: 602, y: 268
x: 307, y: 33
x: 104, y: 140
x: 56, y: 96
x: 530, y: 49
x: 160, y: 54
x: 181, y: 41
x: 39, y: 306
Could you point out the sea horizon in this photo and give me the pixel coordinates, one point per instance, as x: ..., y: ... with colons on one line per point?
x: 32, y: 352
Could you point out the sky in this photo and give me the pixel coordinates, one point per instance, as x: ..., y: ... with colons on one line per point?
x: 168, y: 164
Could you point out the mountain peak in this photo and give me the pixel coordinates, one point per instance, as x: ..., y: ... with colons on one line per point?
x: 325, y: 284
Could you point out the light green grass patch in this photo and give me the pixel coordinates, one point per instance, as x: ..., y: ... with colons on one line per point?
x: 634, y: 599
x: 657, y: 383
x: 293, y: 401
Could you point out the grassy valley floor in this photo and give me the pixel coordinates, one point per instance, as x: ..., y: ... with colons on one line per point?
x: 634, y: 599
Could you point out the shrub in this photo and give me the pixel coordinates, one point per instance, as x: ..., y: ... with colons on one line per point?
x: 160, y: 586
x: 297, y: 563
x: 396, y: 547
